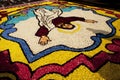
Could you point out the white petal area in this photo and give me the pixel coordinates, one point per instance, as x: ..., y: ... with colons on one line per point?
x: 80, y: 37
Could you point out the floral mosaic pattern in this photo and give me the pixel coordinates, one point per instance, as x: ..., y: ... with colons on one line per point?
x: 26, y: 67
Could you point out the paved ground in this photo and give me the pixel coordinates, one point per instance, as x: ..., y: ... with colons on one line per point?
x: 111, y: 4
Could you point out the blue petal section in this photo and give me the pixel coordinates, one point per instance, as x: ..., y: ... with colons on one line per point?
x: 4, y: 26
x: 8, y: 28
x: 14, y: 20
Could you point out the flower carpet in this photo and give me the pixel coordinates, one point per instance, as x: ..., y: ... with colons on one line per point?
x: 90, y: 51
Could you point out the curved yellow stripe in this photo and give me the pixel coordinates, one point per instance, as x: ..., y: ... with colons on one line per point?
x: 8, y: 75
x: 77, y: 28
x: 3, y: 20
